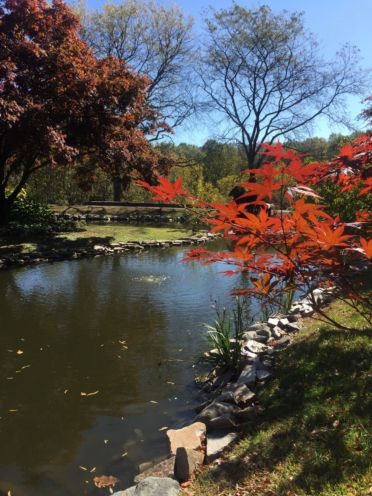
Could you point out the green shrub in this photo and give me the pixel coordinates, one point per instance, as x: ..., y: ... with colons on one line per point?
x: 345, y: 204
x: 30, y: 216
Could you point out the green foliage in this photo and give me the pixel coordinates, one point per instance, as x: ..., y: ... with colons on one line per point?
x: 225, y: 336
x: 345, y: 204
x: 29, y: 216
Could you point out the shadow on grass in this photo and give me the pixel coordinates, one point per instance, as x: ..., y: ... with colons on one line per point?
x: 13, y: 245
x: 314, y: 432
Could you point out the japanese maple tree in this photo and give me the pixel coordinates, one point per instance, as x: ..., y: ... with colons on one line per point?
x: 61, y: 105
x: 302, y: 246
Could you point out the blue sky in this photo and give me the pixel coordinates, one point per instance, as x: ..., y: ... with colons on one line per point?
x: 335, y: 22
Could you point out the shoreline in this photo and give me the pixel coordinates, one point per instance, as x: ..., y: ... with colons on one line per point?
x: 102, y: 249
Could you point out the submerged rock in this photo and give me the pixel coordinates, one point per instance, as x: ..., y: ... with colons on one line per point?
x: 164, y: 468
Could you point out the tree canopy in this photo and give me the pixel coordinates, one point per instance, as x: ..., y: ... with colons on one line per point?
x: 59, y: 103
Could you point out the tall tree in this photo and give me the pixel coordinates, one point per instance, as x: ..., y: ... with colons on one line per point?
x: 263, y: 72
x: 59, y: 103
x: 156, y: 41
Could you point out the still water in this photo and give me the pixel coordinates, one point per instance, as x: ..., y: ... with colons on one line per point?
x: 96, y: 357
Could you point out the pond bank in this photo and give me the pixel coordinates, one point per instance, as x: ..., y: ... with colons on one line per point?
x: 95, y: 241
x: 305, y: 406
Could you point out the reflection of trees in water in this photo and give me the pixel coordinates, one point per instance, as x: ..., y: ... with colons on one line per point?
x: 63, y: 335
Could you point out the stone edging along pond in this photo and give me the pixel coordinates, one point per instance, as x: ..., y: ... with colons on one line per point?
x: 55, y: 255
x: 229, y: 402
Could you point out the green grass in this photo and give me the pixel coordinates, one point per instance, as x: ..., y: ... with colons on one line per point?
x: 91, y: 235
x: 313, y: 437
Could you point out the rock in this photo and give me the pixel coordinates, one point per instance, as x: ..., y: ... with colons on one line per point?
x: 293, y: 327
x: 153, y: 486
x: 248, y: 335
x: 249, y: 356
x: 263, y: 374
x: 254, y: 346
x: 217, y: 443
x: 162, y: 469
x: 243, y: 394
x: 248, y: 375
x: 265, y: 331
x: 307, y: 310
x: 246, y: 414
x: 226, y: 397
x: 222, y: 379
x: 187, y: 461
x: 223, y: 422
x: 192, y: 436
x: 283, y: 323
x: 292, y: 318
x: 258, y: 326
x: 282, y: 342
x: 215, y: 410
x: 277, y: 332
x: 273, y: 321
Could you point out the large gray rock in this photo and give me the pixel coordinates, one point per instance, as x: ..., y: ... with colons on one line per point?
x: 248, y: 375
x: 153, y: 486
x: 255, y: 336
x: 223, y: 422
x: 215, y: 410
x: 217, y: 443
x: 254, y: 346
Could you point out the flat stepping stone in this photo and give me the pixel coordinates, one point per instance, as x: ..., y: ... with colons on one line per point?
x: 217, y: 443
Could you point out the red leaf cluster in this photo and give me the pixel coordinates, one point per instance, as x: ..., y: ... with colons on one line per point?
x: 295, y: 246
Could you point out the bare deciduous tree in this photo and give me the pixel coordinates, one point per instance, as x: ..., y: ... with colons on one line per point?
x: 155, y: 41
x: 265, y: 74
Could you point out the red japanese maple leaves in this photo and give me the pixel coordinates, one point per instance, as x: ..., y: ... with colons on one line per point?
x: 300, y: 241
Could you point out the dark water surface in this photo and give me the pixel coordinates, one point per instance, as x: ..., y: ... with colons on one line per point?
x: 128, y: 327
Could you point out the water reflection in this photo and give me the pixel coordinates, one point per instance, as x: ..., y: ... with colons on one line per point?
x: 128, y: 327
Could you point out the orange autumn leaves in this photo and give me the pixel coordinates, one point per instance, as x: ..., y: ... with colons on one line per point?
x: 300, y: 241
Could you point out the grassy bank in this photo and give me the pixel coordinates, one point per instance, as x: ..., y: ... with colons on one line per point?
x: 313, y: 437
x: 91, y: 235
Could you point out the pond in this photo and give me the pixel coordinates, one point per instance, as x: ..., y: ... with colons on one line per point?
x: 96, y: 359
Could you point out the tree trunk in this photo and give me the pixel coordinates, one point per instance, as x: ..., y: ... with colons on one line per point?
x: 5, y: 207
x: 117, y: 188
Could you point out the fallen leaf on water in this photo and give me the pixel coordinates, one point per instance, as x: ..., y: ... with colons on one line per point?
x: 105, y: 481
x: 10, y: 378
x: 82, y: 467
x: 92, y: 394
x: 170, y: 382
x: 163, y: 428
x: 154, y: 402
x: 12, y: 410
x: 19, y: 352
x: 25, y: 367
